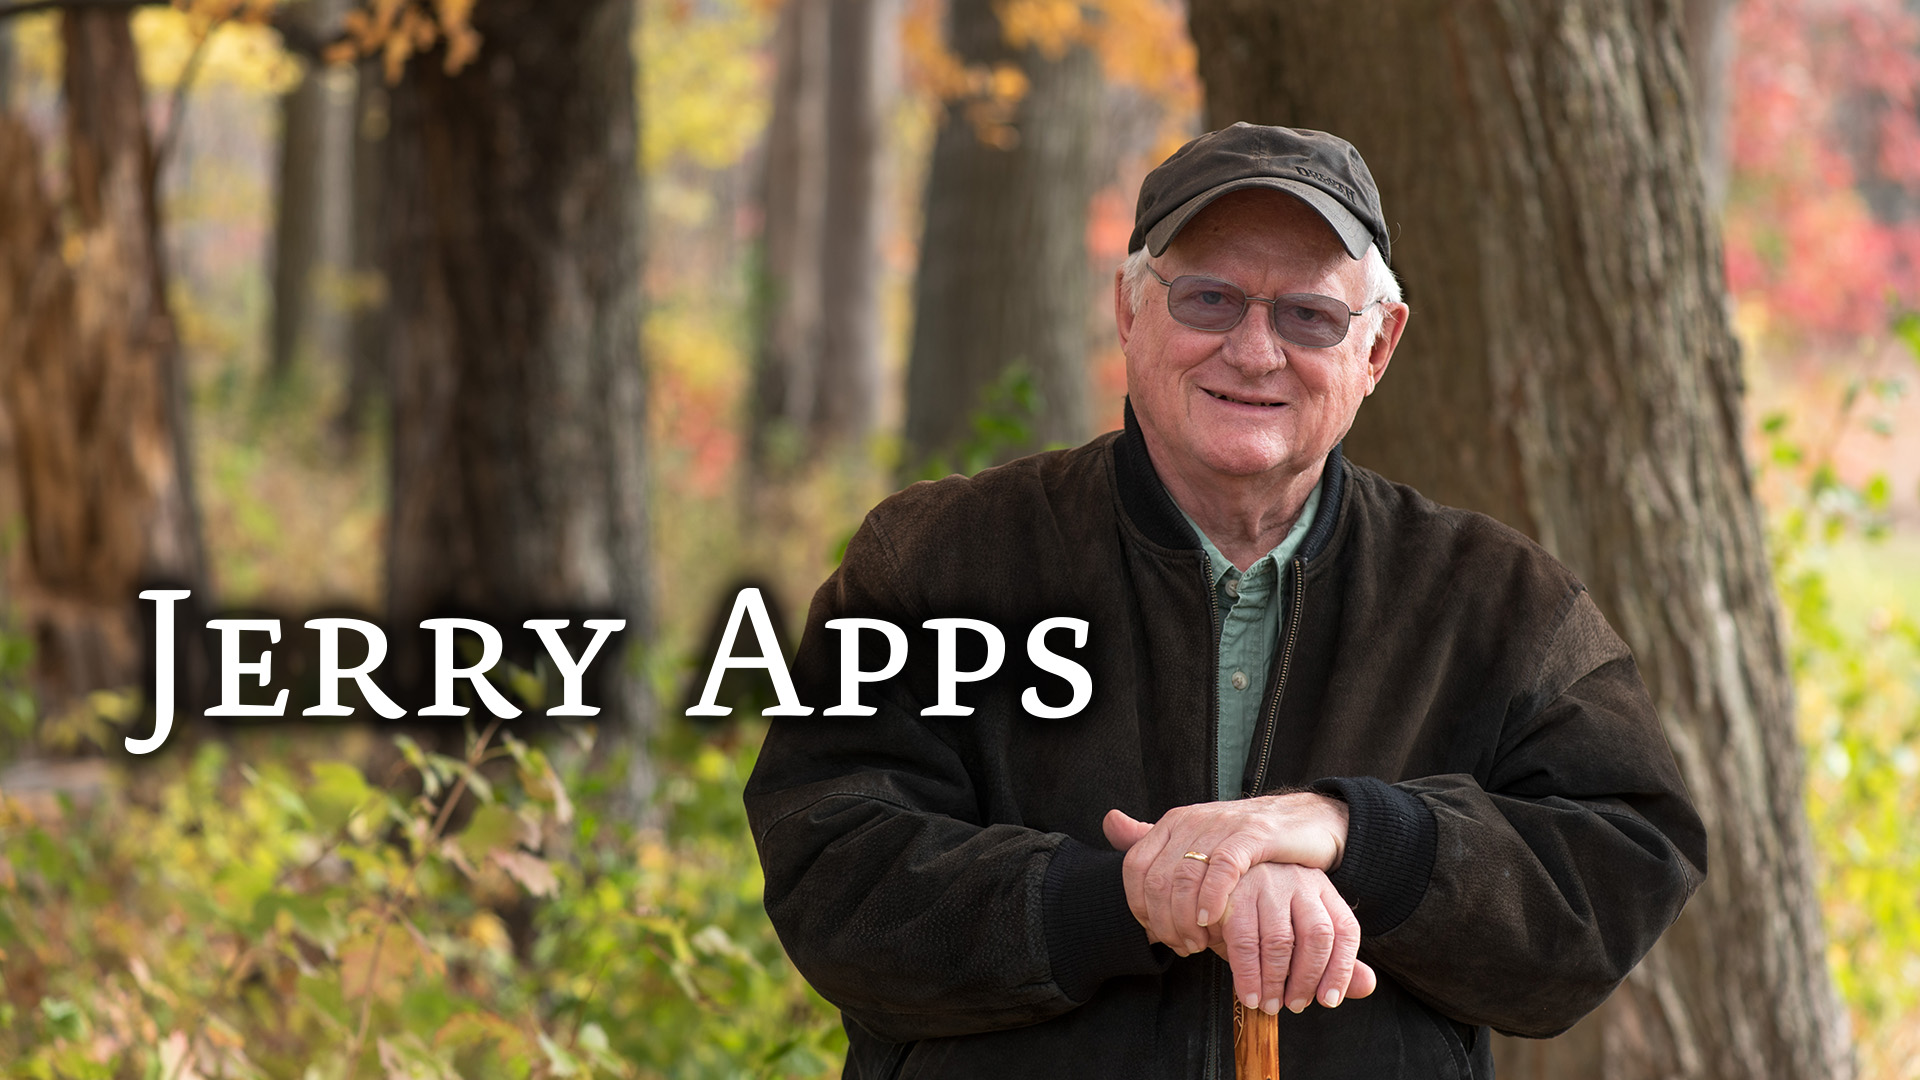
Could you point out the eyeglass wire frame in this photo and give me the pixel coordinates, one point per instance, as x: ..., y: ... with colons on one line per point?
x: 1273, y: 303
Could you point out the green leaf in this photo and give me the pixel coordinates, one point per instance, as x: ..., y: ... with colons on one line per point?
x: 238, y: 887
x: 417, y: 758
x: 338, y: 791
x: 310, y: 914
x: 1878, y: 491
x: 63, y: 1018
x: 528, y: 686
x: 492, y: 828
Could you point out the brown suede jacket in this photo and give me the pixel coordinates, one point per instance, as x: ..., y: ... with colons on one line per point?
x: 1519, y: 833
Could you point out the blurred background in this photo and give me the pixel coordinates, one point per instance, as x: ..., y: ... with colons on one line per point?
x: 397, y: 307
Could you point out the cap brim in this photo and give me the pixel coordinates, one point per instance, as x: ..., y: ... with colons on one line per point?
x: 1354, y: 235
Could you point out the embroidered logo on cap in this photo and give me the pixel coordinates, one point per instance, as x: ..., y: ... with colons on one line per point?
x: 1329, y: 181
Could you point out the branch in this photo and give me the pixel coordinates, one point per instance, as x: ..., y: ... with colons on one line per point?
x: 177, y: 112
x: 390, y: 910
x: 34, y: 7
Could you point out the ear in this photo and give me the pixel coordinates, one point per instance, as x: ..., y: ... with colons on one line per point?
x: 1122, y: 311
x: 1394, y: 325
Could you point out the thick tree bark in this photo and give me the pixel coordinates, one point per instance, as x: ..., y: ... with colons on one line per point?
x: 847, y: 394
x: 514, y: 261
x: 1570, y: 369
x: 89, y: 369
x: 1004, y: 278
x: 793, y: 197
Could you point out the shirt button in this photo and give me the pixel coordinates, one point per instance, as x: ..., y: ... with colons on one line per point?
x: 1233, y: 587
x: 1239, y: 680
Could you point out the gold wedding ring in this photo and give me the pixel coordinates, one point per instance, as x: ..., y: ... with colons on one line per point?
x: 1201, y: 855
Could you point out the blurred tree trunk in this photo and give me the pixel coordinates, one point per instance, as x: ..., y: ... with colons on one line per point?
x: 847, y: 393
x: 514, y: 260
x: 312, y: 203
x: 1709, y: 39
x: 296, y: 206
x: 1571, y: 370
x: 89, y: 370
x: 367, y: 307
x: 6, y: 64
x: 1004, y: 279
x: 793, y: 197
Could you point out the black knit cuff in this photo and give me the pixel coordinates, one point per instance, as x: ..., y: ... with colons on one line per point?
x: 1092, y: 935
x: 1391, y: 840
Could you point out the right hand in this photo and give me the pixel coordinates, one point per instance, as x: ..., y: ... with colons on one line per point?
x: 1171, y: 894
x: 1291, y: 940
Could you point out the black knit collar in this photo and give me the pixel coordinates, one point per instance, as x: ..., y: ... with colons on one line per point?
x: 1154, y: 512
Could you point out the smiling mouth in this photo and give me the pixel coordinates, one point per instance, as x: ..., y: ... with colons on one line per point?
x: 1244, y: 401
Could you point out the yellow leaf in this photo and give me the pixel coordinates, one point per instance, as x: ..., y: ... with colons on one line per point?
x: 487, y: 931
x: 239, y: 54
x: 382, y: 963
x: 1048, y: 26
x: 463, y: 44
x: 469, y: 1029
x: 222, y: 1034
x: 385, y: 12
x: 453, y: 13
x: 394, y: 57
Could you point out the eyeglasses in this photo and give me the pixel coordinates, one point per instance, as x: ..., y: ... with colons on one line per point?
x: 1205, y: 303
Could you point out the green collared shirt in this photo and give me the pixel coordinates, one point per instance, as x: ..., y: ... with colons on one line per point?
x: 1250, y: 604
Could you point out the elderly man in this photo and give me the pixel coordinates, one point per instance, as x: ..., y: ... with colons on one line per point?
x: 1404, y: 783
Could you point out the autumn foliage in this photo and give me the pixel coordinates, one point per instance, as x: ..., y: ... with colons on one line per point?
x: 1827, y: 104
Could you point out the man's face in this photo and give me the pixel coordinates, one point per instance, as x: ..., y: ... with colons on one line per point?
x: 1246, y: 403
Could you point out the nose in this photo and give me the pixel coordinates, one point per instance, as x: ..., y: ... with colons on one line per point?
x: 1253, y: 346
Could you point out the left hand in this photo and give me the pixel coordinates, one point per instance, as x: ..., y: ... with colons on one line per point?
x: 1291, y: 939
x: 1176, y: 898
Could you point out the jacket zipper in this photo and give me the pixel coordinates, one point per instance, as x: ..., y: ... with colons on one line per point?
x: 1269, y: 723
x: 1213, y: 787
x: 1271, y: 720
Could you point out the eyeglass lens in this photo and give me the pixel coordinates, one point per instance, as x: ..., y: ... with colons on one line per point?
x: 1302, y: 318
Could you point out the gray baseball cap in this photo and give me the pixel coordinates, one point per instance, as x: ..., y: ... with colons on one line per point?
x: 1324, y: 171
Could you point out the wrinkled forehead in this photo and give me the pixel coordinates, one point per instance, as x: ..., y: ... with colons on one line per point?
x: 1260, y: 229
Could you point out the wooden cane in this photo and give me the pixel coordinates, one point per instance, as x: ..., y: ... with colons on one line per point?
x: 1256, y: 1044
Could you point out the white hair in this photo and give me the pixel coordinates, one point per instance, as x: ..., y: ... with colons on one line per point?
x: 1382, y: 286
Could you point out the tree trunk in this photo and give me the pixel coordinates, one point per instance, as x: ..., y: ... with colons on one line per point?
x: 793, y: 198
x: 514, y: 260
x: 1570, y: 369
x: 367, y: 307
x: 6, y: 64
x: 1004, y: 279
x: 847, y: 395
x: 311, y: 206
x: 296, y: 216
x: 89, y: 369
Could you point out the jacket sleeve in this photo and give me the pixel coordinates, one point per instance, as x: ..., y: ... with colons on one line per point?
x: 891, y: 895
x: 1520, y: 902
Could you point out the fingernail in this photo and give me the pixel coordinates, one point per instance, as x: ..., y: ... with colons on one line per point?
x: 1332, y: 999
x: 1253, y: 1001
x: 1192, y: 948
x: 1299, y: 1005
x: 1203, y: 916
x: 1272, y: 1007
